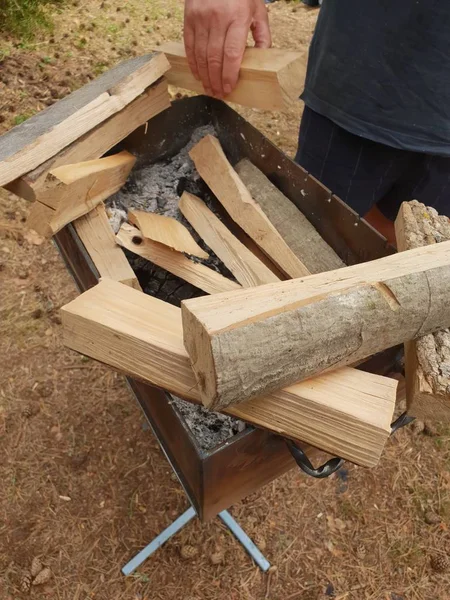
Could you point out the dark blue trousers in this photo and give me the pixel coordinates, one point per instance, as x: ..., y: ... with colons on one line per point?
x: 364, y: 173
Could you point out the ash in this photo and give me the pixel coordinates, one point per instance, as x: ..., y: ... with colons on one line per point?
x: 209, y: 428
x: 157, y: 188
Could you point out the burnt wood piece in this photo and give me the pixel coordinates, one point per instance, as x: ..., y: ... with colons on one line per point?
x: 357, y: 244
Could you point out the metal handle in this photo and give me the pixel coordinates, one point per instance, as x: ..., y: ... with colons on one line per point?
x: 334, y: 464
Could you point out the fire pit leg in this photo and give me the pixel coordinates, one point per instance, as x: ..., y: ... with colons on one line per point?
x: 240, y: 534
x: 235, y: 529
x: 159, y: 541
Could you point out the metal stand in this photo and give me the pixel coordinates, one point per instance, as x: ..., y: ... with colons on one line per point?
x: 179, y: 523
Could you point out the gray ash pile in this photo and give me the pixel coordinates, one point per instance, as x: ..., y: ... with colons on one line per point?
x: 157, y: 188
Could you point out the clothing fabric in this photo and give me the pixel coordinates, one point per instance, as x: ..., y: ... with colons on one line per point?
x: 381, y: 70
x: 363, y: 173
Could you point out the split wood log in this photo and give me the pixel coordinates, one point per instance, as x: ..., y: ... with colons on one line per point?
x: 254, y: 341
x: 269, y: 79
x: 214, y: 168
x: 72, y: 191
x: 97, y: 142
x: 196, y: 274
x: 347, y: 413
x: 427, y: 359
x: 29, y: 145
x: 298, y: 233
x: 244, y: 265
x: 167, y: 231
x: 98, y: 238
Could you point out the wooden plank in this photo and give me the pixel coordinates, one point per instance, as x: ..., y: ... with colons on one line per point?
x: 270, y: 79
x: 74, y: 190
x: 25, y: 154
x: 244, y: 265
x: 347, y: 413
x: 222, y: 179
x: 298, y: 233
x: 167, y: 231
x: 98, y: 238
x: 320, y: 322
x: 39, y: 219
x: 102, y: 138
x: 196, y: 274
x: 427, y: 359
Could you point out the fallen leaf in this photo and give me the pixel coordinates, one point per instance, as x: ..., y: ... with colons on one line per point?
x: 32, y: 237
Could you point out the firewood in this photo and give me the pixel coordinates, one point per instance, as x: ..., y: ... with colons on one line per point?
x: 98, y: 238
x: 270, y: 79
x: 196, y: 274
x: 29, y: 145
x: 251, y: 342
x: 167, y: 231
x: 347, y: 413
x: 427, y: 359
x: 102, y: 138
x: 298, y: 233
x: 225, y: 183
x: 72, y: 191
x: 244, y: 265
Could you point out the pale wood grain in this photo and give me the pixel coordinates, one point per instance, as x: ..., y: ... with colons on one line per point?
x: 74, y: 190
x: 214, y: 168
x: 102, y: 138
x: 269, y: 79
x: 97, y: 236
x: 167, y: 231
x: 177, y: 263
x: 244, y: 265
x: 347, y: 413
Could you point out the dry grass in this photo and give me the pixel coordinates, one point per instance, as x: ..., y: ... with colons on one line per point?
x: 84, y: 485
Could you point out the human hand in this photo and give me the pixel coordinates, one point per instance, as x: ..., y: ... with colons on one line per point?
x: 215, y: 35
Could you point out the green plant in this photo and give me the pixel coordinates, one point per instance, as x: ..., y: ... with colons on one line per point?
x: 20, y: 119
x: 23, y: 18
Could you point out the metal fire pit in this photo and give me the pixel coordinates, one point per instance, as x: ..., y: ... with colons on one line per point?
x: 216, y: 479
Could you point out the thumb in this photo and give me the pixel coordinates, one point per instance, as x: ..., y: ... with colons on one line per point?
x: 261, y: 29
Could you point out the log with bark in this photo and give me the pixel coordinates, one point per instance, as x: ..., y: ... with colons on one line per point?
x: 427, y: 359
x: 251, y: 342
x: 347, y: 413
x: 298, y: 233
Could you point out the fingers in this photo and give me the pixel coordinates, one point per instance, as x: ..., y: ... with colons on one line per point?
x: 201, y: 57
x: 261, y: 29
x: 216, y: 45
x: 189, y: 45
x: 233, y: 54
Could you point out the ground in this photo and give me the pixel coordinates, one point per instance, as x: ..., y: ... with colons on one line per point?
x: 84, y: 484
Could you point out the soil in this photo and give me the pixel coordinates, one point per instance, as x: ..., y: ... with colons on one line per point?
x: 85, y: 485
